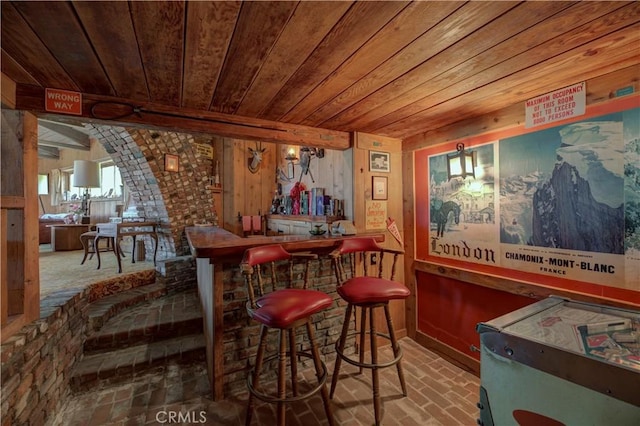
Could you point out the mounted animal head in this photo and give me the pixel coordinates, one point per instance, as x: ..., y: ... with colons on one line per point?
x: 256, y: 158
x: 305, y: 160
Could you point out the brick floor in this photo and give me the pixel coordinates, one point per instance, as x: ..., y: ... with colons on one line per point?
x: 438, y: 394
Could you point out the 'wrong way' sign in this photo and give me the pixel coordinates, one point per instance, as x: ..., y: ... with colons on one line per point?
x: 63, y: 101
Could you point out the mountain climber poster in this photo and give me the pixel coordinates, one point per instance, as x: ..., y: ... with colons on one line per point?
x: 557, y: 203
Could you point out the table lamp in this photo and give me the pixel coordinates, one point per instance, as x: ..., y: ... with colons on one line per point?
x: 86, y: 174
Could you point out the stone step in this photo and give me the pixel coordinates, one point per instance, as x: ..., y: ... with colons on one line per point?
x: 101, y: 310
x: 124, y: 364
x: 162, y: 318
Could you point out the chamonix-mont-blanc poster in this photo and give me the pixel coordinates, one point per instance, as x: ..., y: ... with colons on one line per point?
x: 561, y: 202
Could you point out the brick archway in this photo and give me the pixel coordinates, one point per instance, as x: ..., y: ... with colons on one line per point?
x: 174, y: 199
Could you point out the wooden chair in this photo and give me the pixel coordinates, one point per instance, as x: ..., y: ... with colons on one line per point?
x: 362, y: 284
x: 88, y: 244
x: 276, y: 304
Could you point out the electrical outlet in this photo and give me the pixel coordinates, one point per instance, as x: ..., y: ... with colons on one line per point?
x: 374, y: 258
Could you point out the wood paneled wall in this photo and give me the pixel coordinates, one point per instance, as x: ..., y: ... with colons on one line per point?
x: 19, y: 161
x: 333, y: 172
x: 246, y: 193
x: 599, y: 90
x: 363, y: 143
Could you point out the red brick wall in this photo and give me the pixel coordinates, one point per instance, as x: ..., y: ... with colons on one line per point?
x: 175, y: 199
x: 36, y: 363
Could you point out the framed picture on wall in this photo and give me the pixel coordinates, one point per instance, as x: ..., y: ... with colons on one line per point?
x: 378, y: 161
x: 379, y: 188
x: 171, y: 163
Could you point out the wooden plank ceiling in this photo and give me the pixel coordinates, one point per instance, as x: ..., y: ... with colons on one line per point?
x: 391, y: 68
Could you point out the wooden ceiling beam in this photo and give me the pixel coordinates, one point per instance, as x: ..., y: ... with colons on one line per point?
x: 7, y: 91
x: 48, y: 152
x: 58, y: 144
x: 79, y: 139
x: 126, y: 112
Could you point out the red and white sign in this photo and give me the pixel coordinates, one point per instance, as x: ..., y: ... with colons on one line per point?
x: 63, y: 101
x: 569, y: 102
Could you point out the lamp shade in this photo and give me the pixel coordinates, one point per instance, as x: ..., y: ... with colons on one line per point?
x: 86, y: 174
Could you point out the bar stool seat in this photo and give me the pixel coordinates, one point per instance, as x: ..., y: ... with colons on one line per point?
x: 275, y: 303
x: 283, y: 308
x: 361, y: 283
x: 364, y: 290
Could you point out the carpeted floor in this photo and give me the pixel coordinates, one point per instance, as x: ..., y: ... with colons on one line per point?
x: 61, y: 270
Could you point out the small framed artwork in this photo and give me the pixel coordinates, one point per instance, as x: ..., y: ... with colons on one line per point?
x: 378, y: 161
x: 171, y: 163
x: 379, y: 188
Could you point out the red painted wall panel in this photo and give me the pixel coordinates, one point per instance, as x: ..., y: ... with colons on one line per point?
x: 448, y: 310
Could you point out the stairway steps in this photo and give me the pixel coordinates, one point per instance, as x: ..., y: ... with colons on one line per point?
x: 172, y: 315
x: 136, y: 331
x: 107, y: 307
x: 122, y: 364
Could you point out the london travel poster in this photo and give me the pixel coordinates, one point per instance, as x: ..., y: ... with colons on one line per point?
x: 562, y: 202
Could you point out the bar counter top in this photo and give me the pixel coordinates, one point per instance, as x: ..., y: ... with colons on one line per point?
x: 217, y: 243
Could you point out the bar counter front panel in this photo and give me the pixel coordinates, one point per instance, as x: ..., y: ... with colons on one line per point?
x: 231, y: 337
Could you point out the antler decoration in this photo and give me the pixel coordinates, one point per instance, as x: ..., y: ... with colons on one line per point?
x: 256, y: 158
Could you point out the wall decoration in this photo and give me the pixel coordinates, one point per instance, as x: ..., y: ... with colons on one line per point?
x: 379, y: 161
x: 392, y: 227
x: 375, y: 214
x: 378, y: 187
x: 204, y: 150
x: 556, y: 206
x: 171, y: 163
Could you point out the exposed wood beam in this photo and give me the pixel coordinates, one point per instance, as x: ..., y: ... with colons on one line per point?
x: 68, y: 122
x: 125, y: 112
x: 57, y: 144
x: 67, y: 132
x: 48, y: 152
x: 8, y: 91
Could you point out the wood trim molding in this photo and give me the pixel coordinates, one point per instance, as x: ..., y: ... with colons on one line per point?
x: 12, y: 202
x: 532, y: 290
x: 455, y: 357
x: 126, y: 112
x: 408, y: 215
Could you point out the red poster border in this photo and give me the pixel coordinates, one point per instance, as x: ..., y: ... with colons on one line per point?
x: 421, y: 174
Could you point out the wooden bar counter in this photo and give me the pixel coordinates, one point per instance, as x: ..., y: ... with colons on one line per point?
x: 217, y: 252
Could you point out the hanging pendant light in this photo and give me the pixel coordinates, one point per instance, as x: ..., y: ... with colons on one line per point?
x: 462, y: 163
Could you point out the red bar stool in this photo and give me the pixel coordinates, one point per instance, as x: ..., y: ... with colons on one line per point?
x: 362, y: 285
x: 275, y: 304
